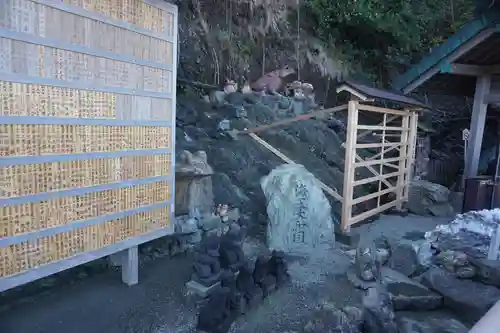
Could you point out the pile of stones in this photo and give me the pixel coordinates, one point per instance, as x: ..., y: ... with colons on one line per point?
x: 215, y: 257
x: 240, y: 291
x: 466, y: 284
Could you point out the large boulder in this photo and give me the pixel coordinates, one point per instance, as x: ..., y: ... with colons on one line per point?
x: 426, y: 198
x: 468, y: 298
x: 403, y: 259
x: 300, y: 220
x: 408, y: 294
x: 487, y: 271
x: 469, y: 233
x: 428, y: 323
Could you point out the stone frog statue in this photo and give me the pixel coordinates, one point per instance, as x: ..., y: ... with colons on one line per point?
x: 272, y: 82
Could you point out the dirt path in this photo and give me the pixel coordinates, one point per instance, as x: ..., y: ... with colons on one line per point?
x: 159, y: 305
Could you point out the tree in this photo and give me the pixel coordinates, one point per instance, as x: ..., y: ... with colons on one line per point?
x: 380, y: 37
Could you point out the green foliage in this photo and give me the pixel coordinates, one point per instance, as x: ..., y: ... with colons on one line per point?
x: 379, y: 37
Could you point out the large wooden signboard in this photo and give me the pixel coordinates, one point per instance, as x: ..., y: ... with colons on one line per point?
x: 87, y: 120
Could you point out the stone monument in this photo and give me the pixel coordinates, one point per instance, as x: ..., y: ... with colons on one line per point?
x: 300, y: 221
x: 193, y: 185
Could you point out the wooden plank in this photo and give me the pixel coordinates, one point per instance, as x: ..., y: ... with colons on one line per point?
x: 370, y: 213
x: 374, y: 195
x: 292, y: 120
x: 350, y: 158
x: 379, y: 145
x: 372, y: 170
x: 469, y: 70
x: 377, y: 162
x: 364, y: 107
x: 286, y: 159
x: 380, y: 128
x: 354, y: 92
x: 387, y: 135
x: 390, y: 165
x: 402, y: 165
x: 492, y: 99
x: 412, y: 139
x: 379, y: 177
x: 362, y: 135
x: 380, y: 154
x: 381, y: 168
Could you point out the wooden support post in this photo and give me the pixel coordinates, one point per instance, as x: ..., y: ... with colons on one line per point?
x: 130, y: 266
x: 412, y: 143
x: 128, y: 260
x: 404, y: 164
x: 479, y: 110
x: 349, y: 172
x: 381, y: 165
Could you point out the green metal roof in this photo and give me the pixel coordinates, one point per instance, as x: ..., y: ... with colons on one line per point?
x: 439, y: 54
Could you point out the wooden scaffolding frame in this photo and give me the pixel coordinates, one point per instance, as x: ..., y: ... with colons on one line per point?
x: 390, y: 168
x: 392, y: 174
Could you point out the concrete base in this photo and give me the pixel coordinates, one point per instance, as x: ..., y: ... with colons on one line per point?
x: 128, y: 260
x: 348, y: 238
x: 201, y: 290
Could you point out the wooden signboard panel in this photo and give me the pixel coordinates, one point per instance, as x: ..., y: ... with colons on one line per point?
x: 87, y: 121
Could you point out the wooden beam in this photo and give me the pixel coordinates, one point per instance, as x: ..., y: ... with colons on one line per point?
x: 403, y: 167
x: 479, y: 109
x: 370, y: 213
x: 377, y: 155
x: 379, y: 145
x: 492, y: 99
x: 469, y: 70
x: 287, y: 160
x: 349, y: 160
x: 292, y: 120
x: 377, y: 162
x: 372, y: 170
x: 364, y: 107
x: 374, y: 195
x: 380, y: 128
x: 362, y: 135
x: 463, y: 69
x: 376, y: 178
x: 473, y: 42
x: 354, y: 92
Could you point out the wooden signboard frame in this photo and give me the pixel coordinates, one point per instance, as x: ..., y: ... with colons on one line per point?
x: 87, y: 126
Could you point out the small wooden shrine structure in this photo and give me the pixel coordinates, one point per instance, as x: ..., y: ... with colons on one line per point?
x: 389, y: 139
x: 389, y: 151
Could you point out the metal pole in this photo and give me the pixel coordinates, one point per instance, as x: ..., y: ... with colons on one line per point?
x: 496, y: 178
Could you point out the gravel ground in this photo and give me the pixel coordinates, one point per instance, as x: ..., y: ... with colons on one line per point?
x: 159, y: 303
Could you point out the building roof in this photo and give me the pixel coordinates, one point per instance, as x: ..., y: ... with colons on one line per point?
x: 365, y: 92
x: 476, y: 43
